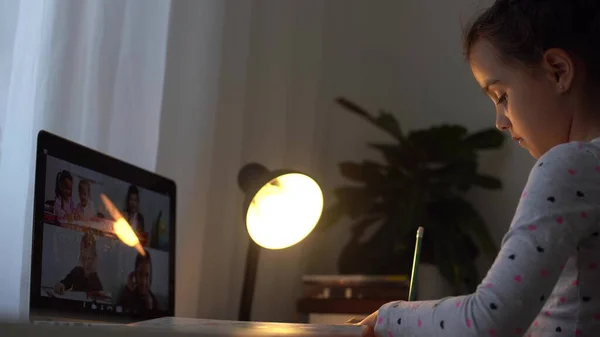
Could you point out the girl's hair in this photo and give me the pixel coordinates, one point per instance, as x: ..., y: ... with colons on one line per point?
x: 139, y: 259
x: 60, y: 177
x: 130, y: 191
x: 523, y: 30
x: 88, y: 241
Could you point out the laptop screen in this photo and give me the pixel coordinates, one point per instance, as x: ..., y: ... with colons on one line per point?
x: 86, y: 258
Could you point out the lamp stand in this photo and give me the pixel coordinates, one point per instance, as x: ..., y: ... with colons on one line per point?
x: 249, y: 281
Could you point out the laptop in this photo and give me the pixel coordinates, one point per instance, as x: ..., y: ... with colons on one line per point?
x: 103, y: 247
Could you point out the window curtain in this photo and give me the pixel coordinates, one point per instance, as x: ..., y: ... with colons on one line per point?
x: 90, y: 71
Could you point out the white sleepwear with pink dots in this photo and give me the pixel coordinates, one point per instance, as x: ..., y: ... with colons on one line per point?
x: 546, y: 278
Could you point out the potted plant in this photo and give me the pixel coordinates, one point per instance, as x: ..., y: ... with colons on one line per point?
x: 422, y: 181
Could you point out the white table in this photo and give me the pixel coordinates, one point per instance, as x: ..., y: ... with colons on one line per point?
x: 171, y: 326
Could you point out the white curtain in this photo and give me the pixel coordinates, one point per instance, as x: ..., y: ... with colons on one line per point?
x: 190, y: 89
x: 91, y: 71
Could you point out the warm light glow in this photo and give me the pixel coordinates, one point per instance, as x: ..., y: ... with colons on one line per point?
x: 110, y: 207
x: 125, y: 232
x: 121, y: 227
x: 284, y: 211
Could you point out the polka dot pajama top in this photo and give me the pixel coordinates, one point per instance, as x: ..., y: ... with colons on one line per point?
x: 545, y: 280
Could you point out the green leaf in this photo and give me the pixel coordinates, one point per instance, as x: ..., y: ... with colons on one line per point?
x: 486, y: 181
x: 459, y: 174
x: 359, y: 228
x: 352, y: 171
x: 486, y: 139
x: 449, y: 132
x: 365, y: 172
x: 385, y: 120
x: 440, y: 143
x: 391, y: 152
x: 329, y: 217
x: 396, y: 157
x: 354, y: 201
x: 353, y: 107
x: 438, y: 134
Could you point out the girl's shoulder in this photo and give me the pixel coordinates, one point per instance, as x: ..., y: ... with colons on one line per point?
x: 572, y: 155
x: 567, y: 166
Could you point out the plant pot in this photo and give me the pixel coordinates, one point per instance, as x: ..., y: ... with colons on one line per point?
x: 431, y: 285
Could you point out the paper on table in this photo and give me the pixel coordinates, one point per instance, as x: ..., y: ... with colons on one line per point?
x: 81, y: 296
x: 238, y: 328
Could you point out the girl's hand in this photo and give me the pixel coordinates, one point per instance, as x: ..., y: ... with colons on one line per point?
x: 370, y: 320
x: 368, y: 331
x: 149, y: 302
x: 59, y: 288
x: 369, y: 325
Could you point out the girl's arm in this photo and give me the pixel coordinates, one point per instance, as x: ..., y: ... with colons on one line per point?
x: 555, y: 213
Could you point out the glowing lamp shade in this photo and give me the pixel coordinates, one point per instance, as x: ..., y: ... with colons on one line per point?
x: 280, y: 208
x: 284, y: 210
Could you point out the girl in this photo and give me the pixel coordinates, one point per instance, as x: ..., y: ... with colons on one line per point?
x: 63, y: 190
x: 132, y: 214
x: 539, y: 62
x: 86, y: 210
x: 83, y: 277
x: 137, y: 295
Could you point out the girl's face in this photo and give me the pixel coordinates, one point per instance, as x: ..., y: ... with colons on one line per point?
x: 88, y: 259
x: 528, y: 101
x: 66, y: 189
x: 132, y: 202
x: 84, y: 193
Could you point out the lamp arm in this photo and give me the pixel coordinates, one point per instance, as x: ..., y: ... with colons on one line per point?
x: 249, y: 281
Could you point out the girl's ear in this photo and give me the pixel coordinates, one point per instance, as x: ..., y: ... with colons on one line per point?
x: 560, y: 69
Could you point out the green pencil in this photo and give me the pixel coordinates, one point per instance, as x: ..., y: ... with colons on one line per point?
x: 412, y: 294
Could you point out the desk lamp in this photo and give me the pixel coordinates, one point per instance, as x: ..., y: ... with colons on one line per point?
x: 280, y: 209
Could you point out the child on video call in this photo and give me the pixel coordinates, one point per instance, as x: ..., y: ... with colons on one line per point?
x: 132, y: 213
x: 83, y: 277
x: 85, y: 209
x: 539, y: 62
x: 137, y: 295
x: 63, y: 190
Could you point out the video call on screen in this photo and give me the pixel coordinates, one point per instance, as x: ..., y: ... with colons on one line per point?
x: 84, y: 261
